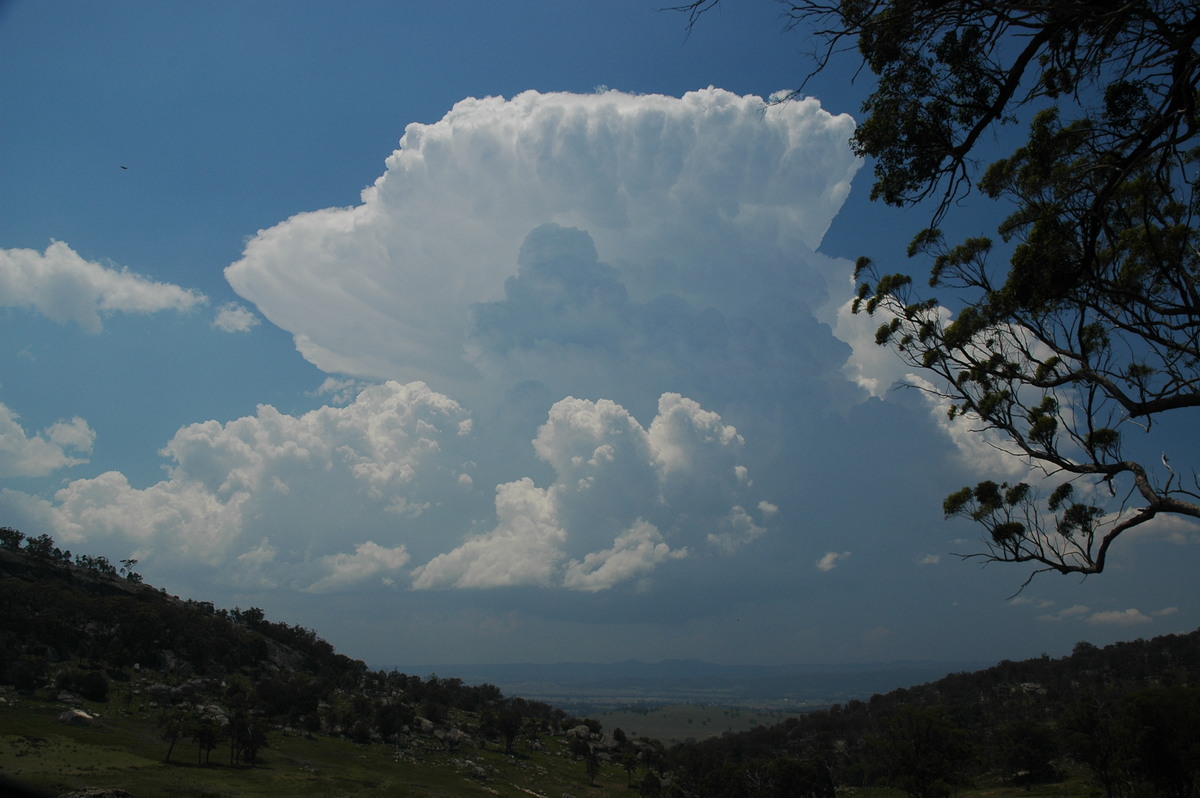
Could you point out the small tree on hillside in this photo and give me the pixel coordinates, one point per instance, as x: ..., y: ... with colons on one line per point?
x: 172, y: 727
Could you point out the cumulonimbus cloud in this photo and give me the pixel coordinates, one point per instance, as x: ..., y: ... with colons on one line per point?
x: 61, y: 285
x: 685, y: 196
x: 543, y: 267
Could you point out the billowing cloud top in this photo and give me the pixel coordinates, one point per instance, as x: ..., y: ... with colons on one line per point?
x: 683, y: 195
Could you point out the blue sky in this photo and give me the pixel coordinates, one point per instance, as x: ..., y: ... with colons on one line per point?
x: 563, y: 374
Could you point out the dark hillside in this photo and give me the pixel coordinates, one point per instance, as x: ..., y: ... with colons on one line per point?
x: 1125, y: 717
x: 178, y: 697
x: 192, y: 685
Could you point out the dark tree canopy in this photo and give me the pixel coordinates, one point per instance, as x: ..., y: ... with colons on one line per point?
x: 1075, y: 336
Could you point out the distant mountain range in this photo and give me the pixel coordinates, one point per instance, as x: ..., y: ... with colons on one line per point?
x: 590, y: 685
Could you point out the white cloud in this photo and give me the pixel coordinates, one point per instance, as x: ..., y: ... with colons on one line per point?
x: 1074, y: 611
x: 250, y: 567
x: 930, y: 559
x: 340, y: 392
x: 274, y: 499
x: 235, y: 317
x: 872, y: 367
x: 523, y: 549
x: 737, y: 529
x: 624, y: 501
x: 57, y: 446
x: 830, y: 560
x: 368, y: 560
x: 636, y: 551
x: 1175, y: 529
x: 880, y: 370
x: 310, y: 483
x: 64, y: 287
x: 1130, y: 617
x: 981, y: 451
x: 684, y: 195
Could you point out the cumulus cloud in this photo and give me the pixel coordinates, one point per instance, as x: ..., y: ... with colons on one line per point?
x: 1021, y: 601
x: 878, y: 370
x: 874, y: 368
x: 831, y: 559
x: 1130, y: 617
x: 368, y: 560
x: 637, y: 550
x: 1081, y: 612
x: 235, y: 317
x: 279, y: 497
x: 61, y: 285
x: 1075, y: 611
x: 523, y: 549
x: 58, y: 446
x: 340, y: 392
x: 625, y: 500
x: 685, y: 196
x: 1171, y: 528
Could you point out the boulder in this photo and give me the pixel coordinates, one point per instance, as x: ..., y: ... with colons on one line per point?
x: 75, y: 717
